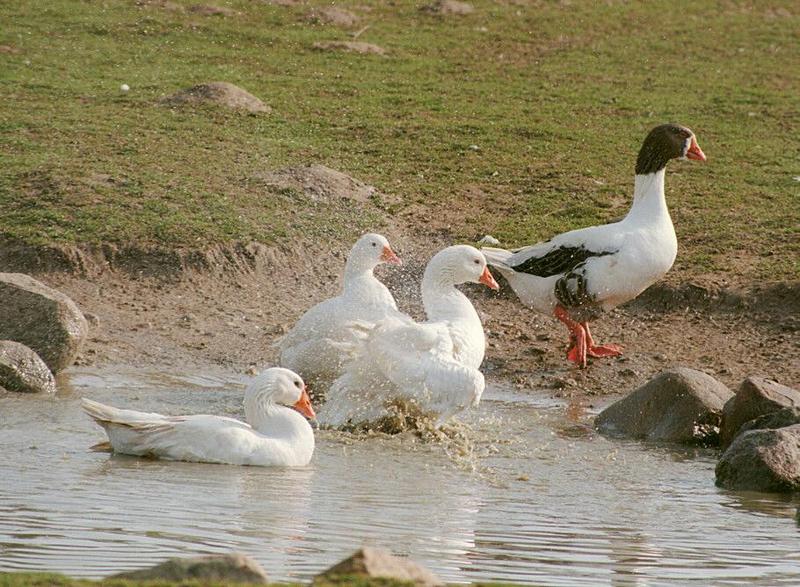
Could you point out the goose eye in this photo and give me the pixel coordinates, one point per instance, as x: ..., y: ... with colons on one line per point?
x: 297, y: 384
x: 374, y: 244
x: 477, y: 261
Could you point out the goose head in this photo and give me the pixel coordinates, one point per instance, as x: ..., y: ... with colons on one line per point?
x: 665, y: 142
x: 276, y: 386
x: 370, y: 251
x: 459, y: 264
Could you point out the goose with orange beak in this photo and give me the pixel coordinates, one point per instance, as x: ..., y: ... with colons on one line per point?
x: 277, y: 433
x: 313, y: 346
x: 578, y: 275
x: 433, y: 364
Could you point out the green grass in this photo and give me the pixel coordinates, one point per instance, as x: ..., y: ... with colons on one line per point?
x: 556, y: 97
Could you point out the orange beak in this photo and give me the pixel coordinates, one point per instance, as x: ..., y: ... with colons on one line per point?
x: 695, y: 152
x: 488, y: 280
x: 388, y: 256
x: 303, y: 406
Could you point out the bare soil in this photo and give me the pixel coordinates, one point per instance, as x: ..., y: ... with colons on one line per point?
x: 228, y: 310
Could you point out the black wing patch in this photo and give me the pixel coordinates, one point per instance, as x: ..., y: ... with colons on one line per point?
x: 559, y: 260
x: 572, y: 290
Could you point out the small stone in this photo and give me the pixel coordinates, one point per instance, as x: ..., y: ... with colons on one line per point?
x: 351, y: 46
x: 449, y: 8
x: 489, y: 240
x: 377, y: 563
x: 333, y: 15
x: 225, y: 568
x: 220, y: 93
x: 92, y: 319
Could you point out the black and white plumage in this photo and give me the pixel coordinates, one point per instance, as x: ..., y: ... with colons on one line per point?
x: 579, y: 274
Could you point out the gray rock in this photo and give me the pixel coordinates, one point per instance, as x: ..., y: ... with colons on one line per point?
x: 23, y: 370
x: 677, y: 405
x: 378, y: 563
x: 219, y: 93
x: 755, y: 397
x: 223, y: 568
x: 350, y: 46
x: 780, y: 419
x: 41, y: 318
x: 762, y: 460
x: 449, y: 7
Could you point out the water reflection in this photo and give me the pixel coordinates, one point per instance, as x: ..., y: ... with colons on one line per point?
x: 549, y: 502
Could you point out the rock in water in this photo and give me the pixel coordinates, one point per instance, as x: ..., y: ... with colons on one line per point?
x: 755, y: 397
x: 217, y: 568
x: 221, y: 93
x: 41, y: 318
x: 23, y: 370
x: 762, y: 460
x: 678, y: 405
x: 378, y: 563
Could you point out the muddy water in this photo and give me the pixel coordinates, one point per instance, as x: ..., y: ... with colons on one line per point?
x: 531, y: 495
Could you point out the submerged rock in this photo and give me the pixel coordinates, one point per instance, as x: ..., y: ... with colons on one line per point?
x: 762, y: 460
x: 41, y: 318
x: 217, y: 568
x: 755, y: 397
x: 220, y: 93
x: 678, y: 405
x: 377, y: 563
x: 23, y: 370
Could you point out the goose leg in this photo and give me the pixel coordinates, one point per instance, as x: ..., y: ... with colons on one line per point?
x: 595, y: 350
x: 578, y: 338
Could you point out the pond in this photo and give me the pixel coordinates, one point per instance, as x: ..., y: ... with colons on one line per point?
x: 525, y: 492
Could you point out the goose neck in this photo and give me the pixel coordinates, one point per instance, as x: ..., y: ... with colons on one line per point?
x: 649, y: 201
x: 275, y: 421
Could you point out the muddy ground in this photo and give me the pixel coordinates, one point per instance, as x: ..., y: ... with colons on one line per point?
x: 227, y: 311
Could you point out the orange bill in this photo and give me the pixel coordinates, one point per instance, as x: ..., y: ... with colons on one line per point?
x: 303, y: 405
x: 488, y: 280
x: 388, y: 256
x: 695, y: 152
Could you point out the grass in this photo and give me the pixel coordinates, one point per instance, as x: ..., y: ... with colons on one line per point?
x: 556, y: 98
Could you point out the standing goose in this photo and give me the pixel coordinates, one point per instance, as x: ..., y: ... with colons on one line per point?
x: 579, y: 274
x: 275, y: 434
x: 434, y: 363
x: 313, y: 346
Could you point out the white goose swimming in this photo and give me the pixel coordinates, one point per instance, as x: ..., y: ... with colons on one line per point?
x: 579, y: 274
x: 275, y: 435
x: 434, y: 363
x: 313, y: 346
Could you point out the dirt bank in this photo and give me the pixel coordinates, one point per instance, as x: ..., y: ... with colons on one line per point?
x: 227, y: 306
